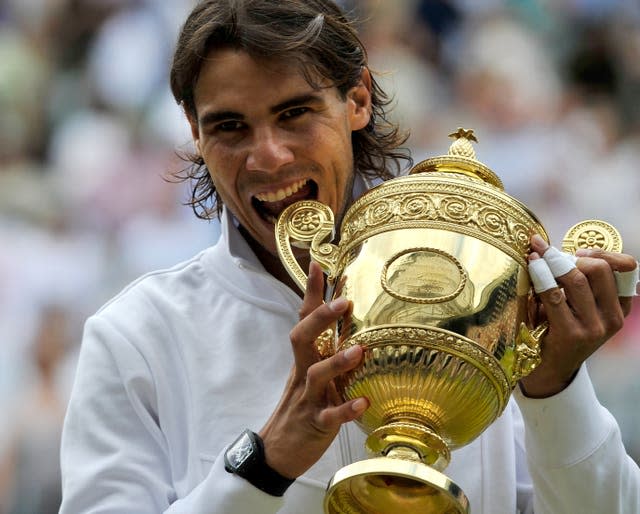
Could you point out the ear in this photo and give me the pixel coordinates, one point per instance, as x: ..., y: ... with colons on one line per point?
x: 359, y: 99
x: 195, y: 132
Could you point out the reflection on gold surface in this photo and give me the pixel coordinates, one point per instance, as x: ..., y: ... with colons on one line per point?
x: 423, y: 275
x: 380, y: 486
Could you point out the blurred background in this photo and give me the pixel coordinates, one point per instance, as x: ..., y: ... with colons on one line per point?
x: 89, y: 130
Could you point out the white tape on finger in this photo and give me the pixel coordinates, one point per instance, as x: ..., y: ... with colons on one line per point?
x: 541, y: 276
x: 627, y: 281
x: 559, y: 263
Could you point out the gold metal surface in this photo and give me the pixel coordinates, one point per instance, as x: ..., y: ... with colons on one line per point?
x: 392, y: 486
x: 435, y: 267
x: 592, y: 234
x: 306, y: 224
x: 324, y: 343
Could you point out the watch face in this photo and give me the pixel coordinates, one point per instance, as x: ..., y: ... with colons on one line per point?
x: 240, y: 451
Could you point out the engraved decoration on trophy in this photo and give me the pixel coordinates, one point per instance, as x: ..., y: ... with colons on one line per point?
x: 435, y: 267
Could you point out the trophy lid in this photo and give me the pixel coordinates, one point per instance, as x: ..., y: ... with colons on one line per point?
x: 461, y: 159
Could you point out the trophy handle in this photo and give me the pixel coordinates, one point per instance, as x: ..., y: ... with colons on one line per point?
x: 527, y: 353
x: 592, y: 234
x: 306, y: 224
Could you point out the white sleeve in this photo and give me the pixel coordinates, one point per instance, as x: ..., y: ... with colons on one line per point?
x: 524, y: 485
x: 575, y: 455
x: 114, y: 455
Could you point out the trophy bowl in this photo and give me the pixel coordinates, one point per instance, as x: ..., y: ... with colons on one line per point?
x: 435, y: 267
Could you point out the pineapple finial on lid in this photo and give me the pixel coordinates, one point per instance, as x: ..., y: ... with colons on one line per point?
x: 462, y: 145
x: 461, y: 159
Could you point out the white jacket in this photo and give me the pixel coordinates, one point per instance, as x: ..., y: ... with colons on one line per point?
x: 177, y: 365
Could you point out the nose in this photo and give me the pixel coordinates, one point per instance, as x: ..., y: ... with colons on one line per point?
x: 269, y: 150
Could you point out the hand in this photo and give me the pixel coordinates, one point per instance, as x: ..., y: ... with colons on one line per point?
x: 310, y: 412
x: 583, y: 313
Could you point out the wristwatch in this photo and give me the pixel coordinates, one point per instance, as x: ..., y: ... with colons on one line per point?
x: 245, y: 458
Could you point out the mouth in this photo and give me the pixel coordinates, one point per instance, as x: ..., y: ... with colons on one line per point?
x: 269, y: 205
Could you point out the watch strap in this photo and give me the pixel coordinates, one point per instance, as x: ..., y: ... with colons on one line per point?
x: 254, y: 468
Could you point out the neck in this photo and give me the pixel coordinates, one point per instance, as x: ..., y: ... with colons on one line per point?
x: 272, y: 264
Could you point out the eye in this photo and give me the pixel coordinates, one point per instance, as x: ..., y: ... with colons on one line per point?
x: 294, y: 112
x: 229, y: 126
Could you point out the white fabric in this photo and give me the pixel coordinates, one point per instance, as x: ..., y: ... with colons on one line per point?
x: 552, y: 264
x: 555, y: 263
x: 178, y: 364
x: 541, y: 276
x: 627, y: 281
x: 560, y: 263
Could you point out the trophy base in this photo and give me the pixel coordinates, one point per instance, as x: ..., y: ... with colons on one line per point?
x: 386, y: 485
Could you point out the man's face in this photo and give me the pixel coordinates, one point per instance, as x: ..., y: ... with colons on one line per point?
x: 269, y: 139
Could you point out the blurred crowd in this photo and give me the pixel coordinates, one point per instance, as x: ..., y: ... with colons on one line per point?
x: 89, y: 134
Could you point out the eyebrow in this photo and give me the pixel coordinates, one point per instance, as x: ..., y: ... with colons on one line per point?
x: 297, y: 100
x: 214, y: 117
x: 217, y: 116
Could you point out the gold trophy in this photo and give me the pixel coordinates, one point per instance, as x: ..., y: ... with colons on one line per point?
x: 435, y: 266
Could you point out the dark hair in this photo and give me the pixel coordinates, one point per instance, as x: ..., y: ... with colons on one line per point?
x: 317, y: 36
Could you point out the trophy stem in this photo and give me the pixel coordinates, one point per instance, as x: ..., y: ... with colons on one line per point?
x: 403, y: 477
x: 404, y: 453
x: 388, y: 485
x: 410, y: 441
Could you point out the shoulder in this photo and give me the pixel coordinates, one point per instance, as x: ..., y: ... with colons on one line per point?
x: 172, y: 285
x: 157, y: 299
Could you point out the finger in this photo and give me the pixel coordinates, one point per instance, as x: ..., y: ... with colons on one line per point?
x: 626, y: 272
x: 535, y: 310
x: 540, y: 274
x: 333, y: 397
x: 551, y: 296
x: 560, y: 263
x: 624, y: 266
x: 578, y: 287
x: 314, y: 292
x: 627, y: 282
x: 348, y: 411
x: 590, y: 291
x: 617, y: 261
x: 579, y: 291
x: 538, y: 244
x: 323, y: 372
x: 605, y: 293
x: 308, y: 329
x: 553, y: 264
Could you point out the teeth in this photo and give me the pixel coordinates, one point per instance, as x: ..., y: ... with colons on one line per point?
x: 280, y: 194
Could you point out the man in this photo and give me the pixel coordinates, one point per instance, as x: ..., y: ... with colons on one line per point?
x: 282, y: 107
